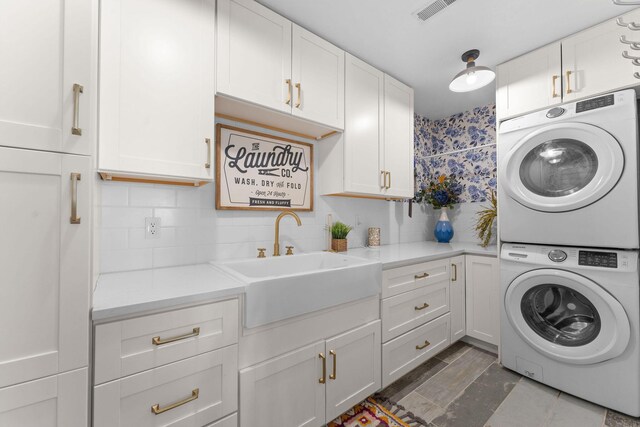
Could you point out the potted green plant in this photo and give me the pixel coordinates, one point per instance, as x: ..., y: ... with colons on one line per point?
x: 339, y: 232
x: 486, y: 218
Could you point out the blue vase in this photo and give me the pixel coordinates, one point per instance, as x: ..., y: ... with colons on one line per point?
x: 444, y: 230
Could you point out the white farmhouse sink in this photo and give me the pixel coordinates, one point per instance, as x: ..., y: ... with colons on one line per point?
x: 278, y: 288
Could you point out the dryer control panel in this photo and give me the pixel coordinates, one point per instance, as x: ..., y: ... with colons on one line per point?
x: 598, y: 259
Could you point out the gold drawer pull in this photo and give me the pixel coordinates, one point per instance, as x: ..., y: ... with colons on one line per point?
x: 75, y: 128
x: 322, y: 379
x: 421, y: 276
x: 160, y: 341
x: 569, y: 90
x: 194, y: 395
x: 288, y: 83
x: 335, y: 363
x: 422, y: 307
x: 422, y: 347
x: 454, y: 267
x: 299, y: 87
x: 207, y: 164
x: 74, y: 219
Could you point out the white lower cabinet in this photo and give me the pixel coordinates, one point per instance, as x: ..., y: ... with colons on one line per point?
x: 312, y: 385
x: 457, y: 294
x: 230, y: 421
x: 483, y: 298
x: 191, y: 392
x: 55, y: 401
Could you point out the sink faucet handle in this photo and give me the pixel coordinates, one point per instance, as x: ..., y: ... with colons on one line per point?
x: 289, y: 250
x: 261, y: 252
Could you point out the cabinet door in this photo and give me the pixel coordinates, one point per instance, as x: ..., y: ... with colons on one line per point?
x: 46, y: 47
x: 157, y: 87
x: 354, y: 368
x: 483, y: 298
x: 55, y: 401
x: 458, y: 297
x: 531, y: 82
x: 285, y: 391
x: 592, y: 60
x: 44, y: 264
x: 364, y: 102
x: 318, y: 79
x: 398, y: 138
x: 254, y: 54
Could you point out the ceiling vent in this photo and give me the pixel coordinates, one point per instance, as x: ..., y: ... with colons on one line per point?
x: 432, y: 9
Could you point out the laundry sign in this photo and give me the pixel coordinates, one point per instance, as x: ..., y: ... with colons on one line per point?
x: 256, y: 171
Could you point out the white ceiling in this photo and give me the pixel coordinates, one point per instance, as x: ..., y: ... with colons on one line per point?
x: 426, y: 55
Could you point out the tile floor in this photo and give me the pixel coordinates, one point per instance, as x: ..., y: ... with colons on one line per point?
x: 466, y: 387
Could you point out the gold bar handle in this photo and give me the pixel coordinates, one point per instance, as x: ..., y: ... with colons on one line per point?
x: 288, y: 83
x: 454, y: 268
x: 422, y: 307
x: 553, y: 83
x: 160, y: 341
x: 384, y: 179
x: 194, y: 395
x: 389, y: 174
x: 77, y: 90
x: 425, y: 345
x: 75, y: 219
x: 208, y: 162
x: 569, y: 72
x: 334, y: 375
x: 299, y: 87
x: 421, y: 276
x: 322, y: 379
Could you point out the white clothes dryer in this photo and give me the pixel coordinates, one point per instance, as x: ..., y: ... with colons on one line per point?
x: 569, y: 175
x: 570, y: 319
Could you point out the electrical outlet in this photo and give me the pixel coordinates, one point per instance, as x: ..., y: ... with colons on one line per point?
x: 152, y: 228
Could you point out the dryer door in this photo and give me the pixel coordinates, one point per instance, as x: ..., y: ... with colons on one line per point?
x: 567, y: 317
x: 562, y: 167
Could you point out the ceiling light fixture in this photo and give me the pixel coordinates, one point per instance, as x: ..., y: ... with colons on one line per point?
x: 473, y: 77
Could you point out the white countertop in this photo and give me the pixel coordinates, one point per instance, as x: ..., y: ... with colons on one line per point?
x: 132, y: 293
x: 392, y: 256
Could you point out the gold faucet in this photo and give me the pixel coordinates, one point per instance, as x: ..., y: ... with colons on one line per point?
x: 276, y: 245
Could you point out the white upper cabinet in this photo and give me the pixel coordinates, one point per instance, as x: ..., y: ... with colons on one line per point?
x: 318, y: 79
x: 45, y: 79
x: 157, y: 88
x: 398, y: 138
x: 364, y: 121
x: 530, y: 82
x: 44, y: 263
x: 254, y: 54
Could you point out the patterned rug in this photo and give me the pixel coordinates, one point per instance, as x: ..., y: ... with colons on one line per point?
x: 377, y: 412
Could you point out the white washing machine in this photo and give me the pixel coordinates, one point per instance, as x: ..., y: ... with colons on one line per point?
x: 569, y: 175
x: 570, y: 319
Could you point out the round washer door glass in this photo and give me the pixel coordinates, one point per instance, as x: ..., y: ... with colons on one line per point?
x: 558, y: 168
x: 562, y: 167
x: 566, y: 316
x: 560, y: 315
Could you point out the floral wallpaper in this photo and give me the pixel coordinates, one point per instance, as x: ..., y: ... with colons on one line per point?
x: 463, y: 145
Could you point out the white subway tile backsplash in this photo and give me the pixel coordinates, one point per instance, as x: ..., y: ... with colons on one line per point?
x: 138, y: 239
x: 114, y: 239
x: 178, y: 255
x: 129, y: 259
x: 177, y: 217
x: 124, y: 216
x: 152, y: 196
x: 114, y: 195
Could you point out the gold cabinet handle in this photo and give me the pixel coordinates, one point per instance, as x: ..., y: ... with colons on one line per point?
x: 425, y: 345
x: 77, y: 90
x: 421, y: 276
x: 569, y: 82
x: 160, y: 341
x: 75, y: 219
x: 194, y: 395
x: 454, y: 268
x: 334, y: 375
x: 208, y: 162
x: 389, y: 174
x: 322, y: 379
x: 288, y: 83
x: 422, y: 307
x: 299, y: 87
x: 553, y: 83
x: 384, y: 179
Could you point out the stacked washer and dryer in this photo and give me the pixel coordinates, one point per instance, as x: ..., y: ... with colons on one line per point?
x: 569, y: 226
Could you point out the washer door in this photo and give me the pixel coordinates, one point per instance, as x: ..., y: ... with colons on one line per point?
x: 567, y: 317
x: 562, y: 167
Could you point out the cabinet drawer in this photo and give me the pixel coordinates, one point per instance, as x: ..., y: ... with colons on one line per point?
x: 194, y: 391
x: 411, y: 309
x: 404, y: 279
x: 230, y: 421
x: 135, y: 345
x: 406, y: 352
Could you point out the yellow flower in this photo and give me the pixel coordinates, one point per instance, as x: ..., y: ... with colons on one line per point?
x: 441, y: 179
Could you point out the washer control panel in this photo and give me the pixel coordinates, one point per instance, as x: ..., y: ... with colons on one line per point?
x: 592, y: 104
x: 598, y: 259
x: 557, y: 255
